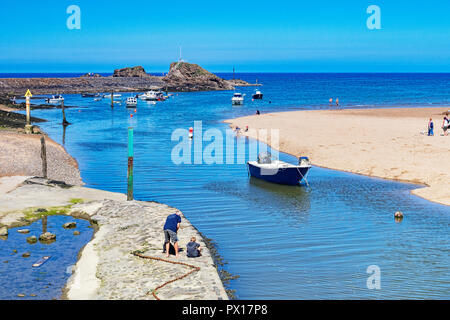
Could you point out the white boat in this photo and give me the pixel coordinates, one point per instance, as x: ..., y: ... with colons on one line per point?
x: 115, y: 95
x: 55, y: 99
x: 131, y: 102
x: 152, y: 96
x: 149, y: 96
x: 237, y: 99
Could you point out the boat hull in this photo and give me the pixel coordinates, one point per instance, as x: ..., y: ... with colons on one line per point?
x: 291, y: 176
x: 257, y: 96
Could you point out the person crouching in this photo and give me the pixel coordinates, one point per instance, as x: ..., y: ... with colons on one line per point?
x: 193, y: 249
x: 171, y: 227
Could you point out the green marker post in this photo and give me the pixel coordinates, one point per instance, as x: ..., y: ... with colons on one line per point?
x: 130, y: 164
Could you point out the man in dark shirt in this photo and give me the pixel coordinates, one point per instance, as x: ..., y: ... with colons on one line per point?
x: 170, y: 232
x: 193, y: 248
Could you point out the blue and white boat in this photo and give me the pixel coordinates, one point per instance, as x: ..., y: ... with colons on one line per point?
x: 276, y: 171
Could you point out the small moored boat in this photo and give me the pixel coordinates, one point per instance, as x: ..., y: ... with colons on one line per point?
x: 90, y: 95
x: 238, y: 99
x: 257, y: 95
x: 276, y: 171
x: 152, y: 96
x: 131, y: 102
x: 55, y: 99
x: 115, y: 95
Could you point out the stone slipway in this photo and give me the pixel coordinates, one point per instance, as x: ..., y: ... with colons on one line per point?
x: 106, y: 268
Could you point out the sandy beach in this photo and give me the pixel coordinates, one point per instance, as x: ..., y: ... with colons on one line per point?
x: 389, y: 143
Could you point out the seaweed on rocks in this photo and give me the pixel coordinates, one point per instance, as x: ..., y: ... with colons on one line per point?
x: 219, y: 262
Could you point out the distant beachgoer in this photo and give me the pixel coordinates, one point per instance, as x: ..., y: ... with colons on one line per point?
x: 430, y: 127
x: 331, y: 101
x: 257, y: 112
x: 246, y: 128
x: 171, y: 227
x: 193, y: 249
x: 337, y: 102
x: 445, y: 125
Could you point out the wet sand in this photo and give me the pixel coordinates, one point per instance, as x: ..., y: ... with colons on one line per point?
x: 389, y: 143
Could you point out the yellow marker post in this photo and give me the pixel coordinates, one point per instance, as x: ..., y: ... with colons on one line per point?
x: 28, y: 127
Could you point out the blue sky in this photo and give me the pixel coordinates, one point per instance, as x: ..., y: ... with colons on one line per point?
x: 252, y: 36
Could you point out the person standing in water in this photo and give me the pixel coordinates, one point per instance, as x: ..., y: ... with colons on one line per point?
x: 337, y: 102
x: 331, y: 101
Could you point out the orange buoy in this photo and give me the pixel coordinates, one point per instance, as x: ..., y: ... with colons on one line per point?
x: 131, y: 115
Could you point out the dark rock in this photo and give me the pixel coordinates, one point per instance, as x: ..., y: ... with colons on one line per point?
x: 47, y: 237
x: 21, y: 295
x: 136, y: 72
x: 185, y: 76
x: 69, y: 225
x: 32, y: 239
x: 23, y: 231
x: 26, y: 255
x: 76, y: 233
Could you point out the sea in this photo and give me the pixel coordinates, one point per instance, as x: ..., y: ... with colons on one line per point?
x: 334, y: 239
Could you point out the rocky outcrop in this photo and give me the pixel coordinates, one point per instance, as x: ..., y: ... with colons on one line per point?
x: 185, y: 76
x: 18, y: 86
x: 182, y: 76
x: 136, y: 72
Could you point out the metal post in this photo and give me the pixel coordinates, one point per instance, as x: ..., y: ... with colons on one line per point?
x: 44, y: 158
x: 64, y: 114
x: 28, y: 128
x: 112, y: 99
x: 130, y: 164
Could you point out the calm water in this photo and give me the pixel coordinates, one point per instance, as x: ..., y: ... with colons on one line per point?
x: 16, y: 272
x: 284, y: 242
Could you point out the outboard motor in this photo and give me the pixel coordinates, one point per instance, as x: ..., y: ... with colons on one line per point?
x: 265, y: 158
x: 303, y: 161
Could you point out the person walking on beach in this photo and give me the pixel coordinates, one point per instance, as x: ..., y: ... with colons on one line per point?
x: 331, y: 101
x: 193, y: 249
x: 337, y: 102
x: 430, y: 127
x: 171, y: 227
x: 445, y: 125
